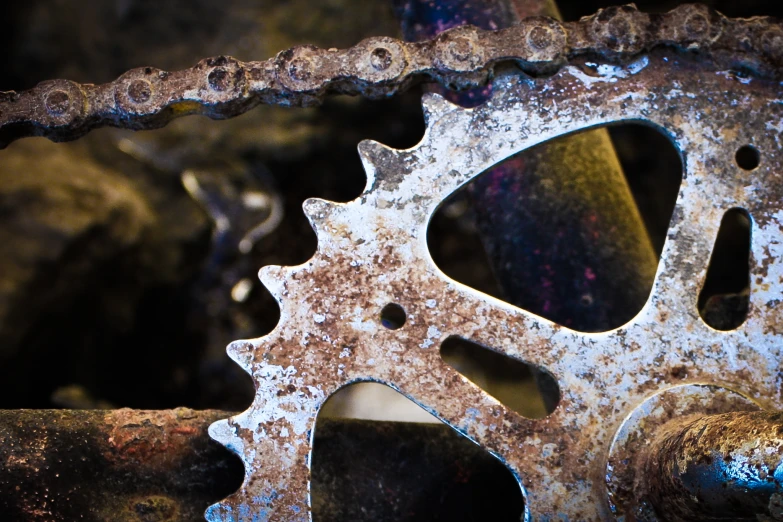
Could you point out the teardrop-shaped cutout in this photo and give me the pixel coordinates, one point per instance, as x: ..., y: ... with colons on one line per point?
x: 522, y: 387
x: 725, y: 296
x: 561, y: 230
x: 386, y: 471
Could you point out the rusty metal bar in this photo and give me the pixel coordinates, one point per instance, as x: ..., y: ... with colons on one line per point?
x: 717, y: 467
x: 155, y: 466
x: 121, y: 465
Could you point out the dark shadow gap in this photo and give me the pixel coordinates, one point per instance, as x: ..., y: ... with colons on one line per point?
x: 522, y: 387
x: 384, y: 471
x: 724, y: 299
x: 748, y: 157
x: 393, y: 316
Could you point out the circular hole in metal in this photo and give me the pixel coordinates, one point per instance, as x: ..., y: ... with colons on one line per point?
x: 381, y: 59
x: 392, y: 316
x: 747, y: 157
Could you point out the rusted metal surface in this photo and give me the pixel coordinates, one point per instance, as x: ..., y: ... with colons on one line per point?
x: 718, y: 467
x: 222, y: 87
x: 161, y: 466
x: 598, y: 272
x: 372, y: 252
x: 122, y: 465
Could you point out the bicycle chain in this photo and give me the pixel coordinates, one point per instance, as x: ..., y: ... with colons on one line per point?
x: 462, y: 57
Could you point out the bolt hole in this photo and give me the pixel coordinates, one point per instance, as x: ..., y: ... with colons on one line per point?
x: 219, y: 79
x: 381, y: 59
x: 748, y: 158
x: 392, y: 316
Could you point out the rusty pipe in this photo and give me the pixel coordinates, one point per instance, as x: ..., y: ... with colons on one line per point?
x: 717, y: 467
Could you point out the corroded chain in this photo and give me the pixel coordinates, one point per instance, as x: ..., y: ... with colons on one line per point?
x: 462, y: 57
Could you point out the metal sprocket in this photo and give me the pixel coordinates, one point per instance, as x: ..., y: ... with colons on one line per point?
x: 373, y: 251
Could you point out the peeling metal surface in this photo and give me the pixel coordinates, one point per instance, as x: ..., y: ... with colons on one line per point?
x: 372, y: 252
x: 462, y: 57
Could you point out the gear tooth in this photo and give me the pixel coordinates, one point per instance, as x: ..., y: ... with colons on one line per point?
x: 222, y: 432
x: 317, y: 210
x: 241, y: 352
x: 369, y: 150
x: 373, y: 154
x: 273, y: 278
x: 220, y: 512
x: 435, y: 106
x: 229, y: 509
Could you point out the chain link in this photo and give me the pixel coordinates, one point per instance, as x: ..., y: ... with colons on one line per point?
x: 459, y: 58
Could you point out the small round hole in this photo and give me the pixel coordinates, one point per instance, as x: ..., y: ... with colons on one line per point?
x: 392, y: 316
x: 748, y: 158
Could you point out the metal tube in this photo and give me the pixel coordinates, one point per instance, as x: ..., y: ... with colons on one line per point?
x: 717, y: 467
